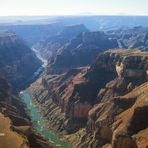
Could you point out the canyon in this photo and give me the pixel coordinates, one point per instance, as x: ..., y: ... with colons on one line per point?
x: 69, y: 105
x: 78, y: 87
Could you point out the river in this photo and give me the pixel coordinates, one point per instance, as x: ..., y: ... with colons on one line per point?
x: 36, y: 116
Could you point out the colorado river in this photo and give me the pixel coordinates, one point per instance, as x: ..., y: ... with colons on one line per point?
x: 36, y: 117
x: 37, y: 73
x: 44, y: 61
x: 40, y: 126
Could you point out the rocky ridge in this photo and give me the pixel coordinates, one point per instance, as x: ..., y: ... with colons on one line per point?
x: 17, y: 61
x: 50, y: 46
x: 81, y: 51
x: 97, y: 99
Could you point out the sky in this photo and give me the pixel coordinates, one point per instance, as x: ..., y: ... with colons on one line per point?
x: 73, y: 7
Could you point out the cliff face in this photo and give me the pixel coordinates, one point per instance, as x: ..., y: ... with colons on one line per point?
x: 75, y: 92
x: 50, y: 46
x: 81, y: 51
x: 15, y: 126
x: 131, y: 68
x: 119, y: 117
x: 55, y: 95
x: 107, y: 99
x: 121, y: 120
x: 17, y: 60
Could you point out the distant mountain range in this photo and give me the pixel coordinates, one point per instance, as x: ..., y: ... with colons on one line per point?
x: 92, y: 22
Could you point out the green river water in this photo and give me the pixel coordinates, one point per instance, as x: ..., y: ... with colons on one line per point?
x: 40, y: 123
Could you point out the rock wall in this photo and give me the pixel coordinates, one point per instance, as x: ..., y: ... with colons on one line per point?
x: 102, y: 99
x: 17, y: 61
x: 81, y: 51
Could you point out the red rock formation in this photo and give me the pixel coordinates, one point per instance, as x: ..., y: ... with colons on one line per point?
x: 114, y: 101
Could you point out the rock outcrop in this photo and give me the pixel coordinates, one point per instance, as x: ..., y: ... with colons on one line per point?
x: 131, y: 68
x: 120, y: 120
x: 117, y: 118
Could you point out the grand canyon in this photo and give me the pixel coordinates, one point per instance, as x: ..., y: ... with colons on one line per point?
x: 74, y: 82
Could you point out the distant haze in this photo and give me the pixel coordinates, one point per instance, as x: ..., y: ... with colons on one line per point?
x: 73, y: 7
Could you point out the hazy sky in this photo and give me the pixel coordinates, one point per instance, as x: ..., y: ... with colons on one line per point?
x: 70, y: 7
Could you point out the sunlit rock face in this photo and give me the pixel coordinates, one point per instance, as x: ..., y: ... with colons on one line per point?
x: 119, y: 69
x: 132, y: 67
x: 17, y: 60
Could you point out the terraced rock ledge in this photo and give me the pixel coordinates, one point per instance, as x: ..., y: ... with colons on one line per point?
x: 104, y: 105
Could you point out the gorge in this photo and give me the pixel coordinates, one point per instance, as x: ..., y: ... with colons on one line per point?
x: 78, y: 88
x: 36, y: 116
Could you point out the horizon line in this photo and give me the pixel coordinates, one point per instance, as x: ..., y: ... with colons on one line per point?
x: 83, y: 15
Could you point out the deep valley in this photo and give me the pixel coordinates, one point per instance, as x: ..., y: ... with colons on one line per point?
x: 70, y: 83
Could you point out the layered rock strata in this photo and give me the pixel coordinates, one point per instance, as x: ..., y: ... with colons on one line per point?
x: 107, y: 99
